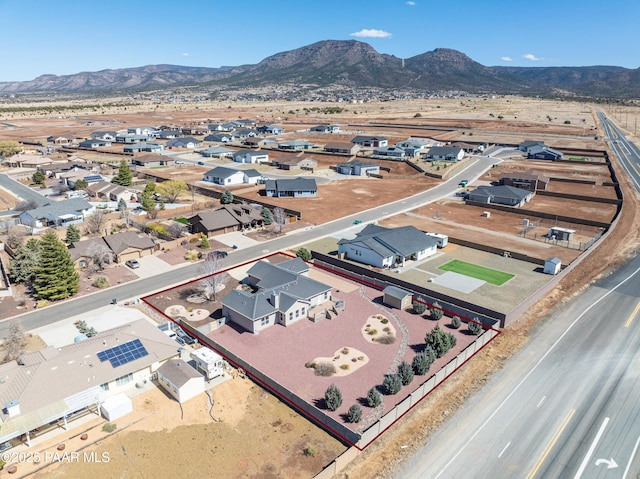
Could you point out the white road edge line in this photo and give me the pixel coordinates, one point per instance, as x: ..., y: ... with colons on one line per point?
x: 633, y: 453
x: 541, y: 401
x: 587, y: 458
x: 505, y: 448
x: 535, y: 366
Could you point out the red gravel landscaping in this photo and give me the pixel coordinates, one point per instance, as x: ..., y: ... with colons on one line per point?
x: 282, y: 352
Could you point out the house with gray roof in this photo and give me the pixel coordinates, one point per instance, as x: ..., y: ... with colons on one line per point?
x: 220, y: 137
x: 293, y: 188
x: 342, y: 148
x: 325, y: 128
x: 296, y: 145
x: 527, y: 180
x: 447, y: 153
x: 186, y: 142
x: 118, y: 247
x: 501, y: 195
x: 387, y: 247
x: 217, y: 152
x: 224, y: 176
x: 283, y: 294
x: 358, y: 168
x: 368, y: 141
x: 103, y: 135
x: 250, y: 156
x: 144, y: 147
x: 229, y: 218
x: 57, y: 213
x: 271, y: 129
x: 543, y: 153
x: 392, y: 152
x: 51, y: 384
x: 527, y: 144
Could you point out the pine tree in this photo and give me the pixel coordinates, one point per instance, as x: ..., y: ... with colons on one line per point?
x: 405, y: 371
x: 124, y: 176
x: 147, y: 203
x: 73, y: 235
x: 374, y: 398
x: 267, y: 217
x: 355, y: 413
x: 333, y: 397
x: 227, y: 197
x: 38, y: 177
x: 22, y: 266
x: 55, y: 276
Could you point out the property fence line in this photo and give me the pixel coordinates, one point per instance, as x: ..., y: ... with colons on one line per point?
x: 593, y: 199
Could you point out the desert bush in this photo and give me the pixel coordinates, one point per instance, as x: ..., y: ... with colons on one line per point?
x: 42, y: 303
x: 474, y: 328
x: 435, y: 314
x: 101, y: 282
x: 423, y: 361
x: 333, y: 397
x: 345, y: 351
x: 325, y: 369
x: 344, y: 366
x: 191, y: 255
x: 392, y: 384
x: 310, y: 365
x: 456, y: 322
x: 310, y: 450
x: 419, y: 308
x: 439, y: 341
x: 158, y: 228
x: 355, y: 413
x: 405, y: 371
x: 374, y: 398
x: 372, y: 332
x: 384, y: 320
x: 109, y: 427
x: 388, y: 339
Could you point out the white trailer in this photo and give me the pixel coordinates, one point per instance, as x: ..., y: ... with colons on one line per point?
x: 443, y: 240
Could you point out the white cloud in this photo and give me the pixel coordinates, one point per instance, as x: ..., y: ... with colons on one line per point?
x: 410, y: 3
x: 532, y: 57
x: 371, y: 33
x: 507, y: 59
x: 185, y: 54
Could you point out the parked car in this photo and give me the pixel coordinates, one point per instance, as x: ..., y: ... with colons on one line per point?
x: 218, y: 254
x: 179, y: 162
x: 184, y: 336
x: 201, y: 163
x: 463, y: 183
x: 132, y: 263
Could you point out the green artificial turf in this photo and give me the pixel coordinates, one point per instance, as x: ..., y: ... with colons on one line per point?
x: 489, y: 275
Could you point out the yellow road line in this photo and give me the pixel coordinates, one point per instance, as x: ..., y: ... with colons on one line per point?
x: 554, y: 439
x: 632, y: 317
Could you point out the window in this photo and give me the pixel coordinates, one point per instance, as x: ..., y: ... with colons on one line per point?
x: 297, y: 313
x: 105, y: 386
x: 290, y: 315
x: 121, y: 381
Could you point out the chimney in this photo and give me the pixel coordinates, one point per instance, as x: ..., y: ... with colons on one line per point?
x: 275, y: 299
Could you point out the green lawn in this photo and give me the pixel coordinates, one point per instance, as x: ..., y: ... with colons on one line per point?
x: 489, y: 275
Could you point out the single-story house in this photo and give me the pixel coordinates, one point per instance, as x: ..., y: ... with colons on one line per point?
x: 358, y: 168
x: 467, y: 147
x: 180, y: 380
x: 216, y: 152
x: 70, y: 177
x: 84, y: 253
x: 169, y: 134
x: 295, y: 187
x: 185, y: 142
x: 142, y: 130
x: 93, y: 143
x: 246, y: 133
x: 527, y: 180
x: 528, y: 144
x: 144, y: 147
x: 220, y: 137
x: 250, y: 156
x: 111, y: 192
x: 296, y: 145
x: 325, y: 128
x: 415, y: 144
x: 221, y: 175
x: 229, y: 218
x: 271, y: 129
x: 387, y: 247
x: 393, y: 152
x: 342, y: 148
x: 501, y: 195
x: 295, y: 163
x: 284, y: 295
x: 150, y: 160
x: 194, y: 130
x: 52, y: 384
x: 103, y: 135
x: 131, y: 139
x: 543, y: 153
x: 57, y: 213
x: 367, y: 141
x: 448, y: 153
x: 128, y: 245
x: 59, y: 140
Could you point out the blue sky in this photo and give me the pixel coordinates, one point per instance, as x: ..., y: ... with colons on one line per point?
x: 70, y: 36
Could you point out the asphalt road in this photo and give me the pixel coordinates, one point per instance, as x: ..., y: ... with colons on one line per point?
x: 142, y: 287
x: 21, y: 191
x: 566, y: 405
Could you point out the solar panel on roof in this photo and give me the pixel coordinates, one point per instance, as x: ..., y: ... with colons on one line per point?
x: 123, y: 353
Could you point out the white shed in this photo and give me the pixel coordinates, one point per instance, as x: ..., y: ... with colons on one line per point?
x: 443, y: 240
x: 552, y: 265
x: 116, y: 406
x: 180, y: 380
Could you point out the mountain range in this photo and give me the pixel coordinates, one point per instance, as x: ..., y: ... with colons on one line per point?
x: 354, y: 64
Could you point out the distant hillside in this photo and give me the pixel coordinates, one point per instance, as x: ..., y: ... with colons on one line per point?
x: 355, y: 64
